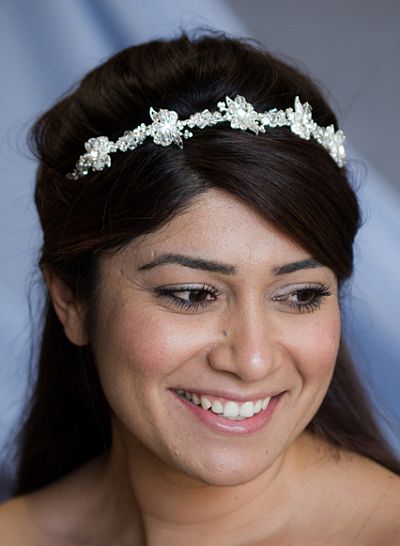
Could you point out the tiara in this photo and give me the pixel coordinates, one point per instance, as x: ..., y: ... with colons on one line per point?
x: 167, y: 129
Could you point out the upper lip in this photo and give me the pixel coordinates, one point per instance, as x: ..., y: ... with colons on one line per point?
x: 231, y: 395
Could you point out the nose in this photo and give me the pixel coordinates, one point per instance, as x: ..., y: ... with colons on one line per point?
x: 248, y: 345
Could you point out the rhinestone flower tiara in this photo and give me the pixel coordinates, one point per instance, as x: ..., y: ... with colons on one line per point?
x: 167, y: 129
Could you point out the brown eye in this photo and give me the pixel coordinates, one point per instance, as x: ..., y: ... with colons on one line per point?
x: 305, y: 295
x: 304, y: 300
x: 189, y: 297
x: 198, y: 296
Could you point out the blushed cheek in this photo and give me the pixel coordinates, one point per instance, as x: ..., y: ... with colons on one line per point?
x: 316, y: 349
x: 144, y: 344
x: 130, y: 345
x: 129, y: 351
x: 137, y: 353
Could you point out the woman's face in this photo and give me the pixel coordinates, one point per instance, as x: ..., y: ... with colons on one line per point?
x: 222, y: 306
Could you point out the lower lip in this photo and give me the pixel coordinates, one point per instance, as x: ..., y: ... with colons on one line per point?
x: 241, y: 427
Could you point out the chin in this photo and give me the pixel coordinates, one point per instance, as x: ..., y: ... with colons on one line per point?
x: 224, y: 473
x: 227, y: 477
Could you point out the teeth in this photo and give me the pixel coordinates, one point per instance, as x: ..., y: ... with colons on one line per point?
x: 205, y: 403
x: 247, y: 409
x: 231, y: 409
x: 265, y: 403
x: 217, y: 407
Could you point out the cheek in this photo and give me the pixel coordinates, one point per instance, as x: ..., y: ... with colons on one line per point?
x: 142, y: 345
x: 138, y: 350
x: 314, y: 347
x: 133, y: 352
x: 127, y: 344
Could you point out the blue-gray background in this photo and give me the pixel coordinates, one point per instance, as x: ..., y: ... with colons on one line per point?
x: 351, y: 47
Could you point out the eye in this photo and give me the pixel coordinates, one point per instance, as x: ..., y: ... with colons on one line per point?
x: 304, y: 299
x: 193, y: 297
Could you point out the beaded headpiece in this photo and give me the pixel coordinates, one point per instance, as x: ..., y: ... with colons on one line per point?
x: 167, y: 129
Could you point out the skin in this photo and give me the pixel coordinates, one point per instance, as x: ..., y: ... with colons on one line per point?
x: 170, y: 479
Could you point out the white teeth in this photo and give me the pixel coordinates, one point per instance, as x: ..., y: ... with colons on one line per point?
x: 217, y: 407
x: 205, y: 403
x: 231, y: 409
x: 247, y: 409
x: 265, y: 403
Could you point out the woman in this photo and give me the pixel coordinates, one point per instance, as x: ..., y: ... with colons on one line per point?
x: 193, y: 385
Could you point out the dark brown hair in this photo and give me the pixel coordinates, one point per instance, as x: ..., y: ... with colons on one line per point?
x: 291, y: 182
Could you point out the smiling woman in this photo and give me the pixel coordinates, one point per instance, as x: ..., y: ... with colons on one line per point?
x: 160, y: 324
x: 193, y: 385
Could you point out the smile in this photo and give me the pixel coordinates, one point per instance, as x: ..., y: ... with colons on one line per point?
x: 229, y: 408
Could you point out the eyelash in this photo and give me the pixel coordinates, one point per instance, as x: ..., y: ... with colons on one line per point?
x: 318, y: 295
x: 168, y: 292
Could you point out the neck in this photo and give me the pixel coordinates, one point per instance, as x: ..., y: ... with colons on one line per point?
x: 174, y: 508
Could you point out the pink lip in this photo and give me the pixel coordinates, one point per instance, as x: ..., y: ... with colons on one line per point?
x: 225, y: 395
x: 221, y: 424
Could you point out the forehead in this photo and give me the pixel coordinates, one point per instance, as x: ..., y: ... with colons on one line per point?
x: 219, y: 226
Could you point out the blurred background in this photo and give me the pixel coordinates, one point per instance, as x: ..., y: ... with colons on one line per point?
x: 351, y: 47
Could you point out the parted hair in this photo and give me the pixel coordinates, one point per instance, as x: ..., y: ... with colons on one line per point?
x: 293, y: 183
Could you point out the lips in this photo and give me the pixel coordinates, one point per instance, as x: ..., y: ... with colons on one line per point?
x: 235, y: 425
x: 230, y: 409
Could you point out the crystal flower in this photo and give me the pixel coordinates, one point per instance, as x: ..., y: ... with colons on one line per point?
x: 242, y: 114
x: 301, y: 119
x: 334, y: 143
x: 98, y: 153
x: 165, y: 129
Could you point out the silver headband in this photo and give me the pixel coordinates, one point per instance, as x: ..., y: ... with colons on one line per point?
x: 167, y: 129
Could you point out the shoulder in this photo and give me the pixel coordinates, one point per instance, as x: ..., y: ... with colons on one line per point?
x: 365, y: 498
x: 15, y: 526
x: 43, y: 517
x: 379, y: 491
x: 54, y: 514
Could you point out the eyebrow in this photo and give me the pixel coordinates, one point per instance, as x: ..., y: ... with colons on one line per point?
x: 225, y: 269
x: 308, y: 263
x: 194, y: 263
